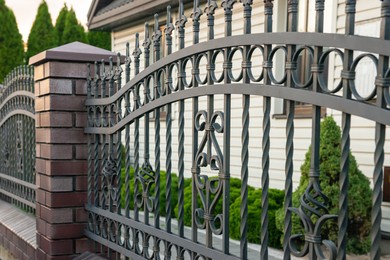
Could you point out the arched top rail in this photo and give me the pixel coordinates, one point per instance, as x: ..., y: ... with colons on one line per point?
x: 15, y: 94
x: 350, y: 42
x: 334, y: 102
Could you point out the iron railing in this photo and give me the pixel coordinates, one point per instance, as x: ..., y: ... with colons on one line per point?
x: 17, y: 139
x: 115, y: 109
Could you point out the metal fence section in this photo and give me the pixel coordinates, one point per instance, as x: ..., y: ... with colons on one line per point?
x: 124, y: 208
x: 17, y: 139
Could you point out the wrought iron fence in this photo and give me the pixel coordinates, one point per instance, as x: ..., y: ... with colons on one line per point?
x: 17, y: 139
x: 124, y: 208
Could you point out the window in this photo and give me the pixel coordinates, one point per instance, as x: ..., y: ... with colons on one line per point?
x: 306, y: 23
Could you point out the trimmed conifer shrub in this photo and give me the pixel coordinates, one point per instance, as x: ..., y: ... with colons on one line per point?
x: 42, y: 35
x: 73, y: 30
x: 60, y: 24
x: 359, y: 191
x: 11, y: 44
x: 99, y: 39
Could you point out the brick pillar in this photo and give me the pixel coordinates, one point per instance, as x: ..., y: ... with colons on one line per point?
x: 61, y: 148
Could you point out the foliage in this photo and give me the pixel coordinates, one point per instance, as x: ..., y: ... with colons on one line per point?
x: 42, y: 35
x: 99, y: 39
x: 60, y: 24
x: 254, y: 205
x: 359, y: 207
x: 163, y: 179
x: 73, y: 30
x: 254, y: 212
x: 11, y: 44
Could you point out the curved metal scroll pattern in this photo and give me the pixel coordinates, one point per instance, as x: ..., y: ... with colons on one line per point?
x: 19, y: 146
x: 313, y: 214
x: 209, y: 189
x: 145, y: 183
x: 110, y: 190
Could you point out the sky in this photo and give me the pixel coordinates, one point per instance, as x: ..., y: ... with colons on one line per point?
x: 26, y: 10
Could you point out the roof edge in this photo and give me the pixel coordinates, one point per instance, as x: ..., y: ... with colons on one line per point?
x: 129, y: 13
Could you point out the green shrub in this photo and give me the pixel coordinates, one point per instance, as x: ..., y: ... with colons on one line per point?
x: 254, y: 206
x: 359, y: 205
x: 163, y: 178
x: 254, y: 221
x: 235, y: 191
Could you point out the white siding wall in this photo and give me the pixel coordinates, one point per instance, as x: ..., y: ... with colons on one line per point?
x: 362, y: 133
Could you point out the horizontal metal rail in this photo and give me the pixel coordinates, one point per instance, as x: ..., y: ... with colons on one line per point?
x: 333, y: 102
x: 17, y: 112
x: 18, y: 181
x: 150, y: 230
x: 360, y: 43
x: 20, y: 93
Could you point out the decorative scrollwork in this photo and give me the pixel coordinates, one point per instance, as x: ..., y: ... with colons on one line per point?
x: 209, y: 189
x: 197, y: 13
x: 182, y: 20
x: 110, y: 191
x: 19, y: 146
x: 146, y: 179
x: 210, y: 8
x: 6, y: 154
x: 313, y: 214
x: 228, y: 4
x: 137, y: 51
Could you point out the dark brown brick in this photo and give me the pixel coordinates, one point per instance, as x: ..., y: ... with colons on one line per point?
x: 41, y: 226
x: 56, y: 247
x: 55, y: 86
x: 67, y: 167
x: 56, y: 119
x: 56, y: 184
x: 65, y: 231
x: 81, y: 119
x: 68, y: 136
x: 81, y: 87
x: 84, y: 245
x: 40, y: 196
x: 81, y: 183
x: 66, y: 70
x: 56, y: 152
x: 62, y: 200
x: 64, y: 103
x: 81, y: 215
x: 57, y: 215
x: 81, y: 152
x: 40, y: 165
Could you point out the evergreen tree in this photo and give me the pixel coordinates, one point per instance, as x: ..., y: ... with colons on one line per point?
x: 42, y: 35
x: 100, y: 39
x: 11, y: 44
x: 359, y: 192
x: 73, y: 30
x: 60, y: 24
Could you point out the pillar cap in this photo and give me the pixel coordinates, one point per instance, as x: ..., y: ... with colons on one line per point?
x: 74, y: 52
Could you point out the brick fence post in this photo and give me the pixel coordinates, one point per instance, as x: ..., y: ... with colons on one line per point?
x: 61, y: 148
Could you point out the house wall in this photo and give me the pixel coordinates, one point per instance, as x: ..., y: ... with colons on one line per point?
x: 362, y: 131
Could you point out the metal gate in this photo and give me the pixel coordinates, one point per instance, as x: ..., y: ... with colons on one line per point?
x: 128, y: 220
x: 17, y: 139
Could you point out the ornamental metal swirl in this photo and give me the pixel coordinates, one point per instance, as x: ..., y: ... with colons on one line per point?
x: 313, y: 214
x: 145, y: 183
x: 209, y: 189
x: 110, y: 189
